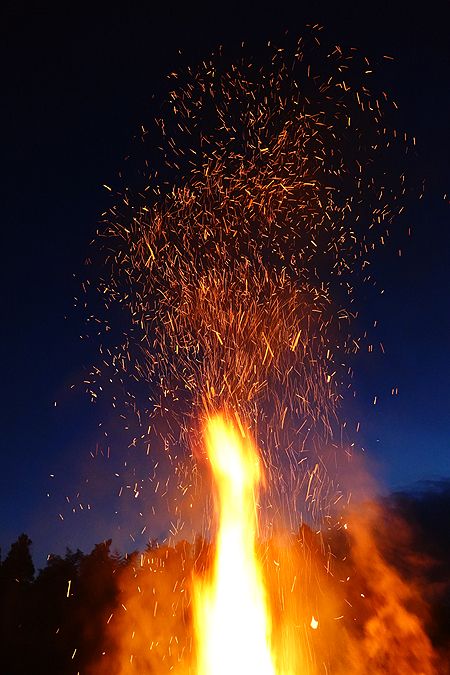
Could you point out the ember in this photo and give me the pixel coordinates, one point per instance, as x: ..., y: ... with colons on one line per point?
x: 240, y: 280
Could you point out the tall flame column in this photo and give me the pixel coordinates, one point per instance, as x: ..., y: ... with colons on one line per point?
x: 232, y: 620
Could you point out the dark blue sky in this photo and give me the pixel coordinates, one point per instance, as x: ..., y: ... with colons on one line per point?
x: 76, y: 85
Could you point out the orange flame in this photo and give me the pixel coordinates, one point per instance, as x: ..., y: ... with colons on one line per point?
x: 297, y: 603
x: 231, y: 616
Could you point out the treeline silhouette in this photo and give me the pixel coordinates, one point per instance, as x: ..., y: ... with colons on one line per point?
x: 55, y: 621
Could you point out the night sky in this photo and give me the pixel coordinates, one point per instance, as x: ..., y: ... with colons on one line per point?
x: 75, y: 86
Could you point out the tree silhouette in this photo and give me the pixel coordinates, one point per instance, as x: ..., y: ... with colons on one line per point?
x: 18, y: 565
x: 16, y: 577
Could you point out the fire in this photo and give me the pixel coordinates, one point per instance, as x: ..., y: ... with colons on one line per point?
x: 289, y: 603
x: 239, y: 278
x: 231, y: 615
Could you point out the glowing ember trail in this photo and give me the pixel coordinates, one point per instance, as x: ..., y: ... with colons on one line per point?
x: 231, y: 641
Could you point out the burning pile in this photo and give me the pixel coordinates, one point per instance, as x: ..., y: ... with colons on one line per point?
x: 237, y: 266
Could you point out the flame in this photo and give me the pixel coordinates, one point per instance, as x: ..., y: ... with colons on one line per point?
x: 231, y: 615
x: 315, y: 606
x: 322, y: 602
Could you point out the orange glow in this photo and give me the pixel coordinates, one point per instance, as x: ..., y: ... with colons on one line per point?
x: 231, y: 616
x: 304, y: 602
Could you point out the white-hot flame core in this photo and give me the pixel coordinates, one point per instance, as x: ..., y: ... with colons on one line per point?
x: 231, y: 616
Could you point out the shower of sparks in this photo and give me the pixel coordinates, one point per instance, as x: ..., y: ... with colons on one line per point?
x: 233, y: 275
x: 236, y: 265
